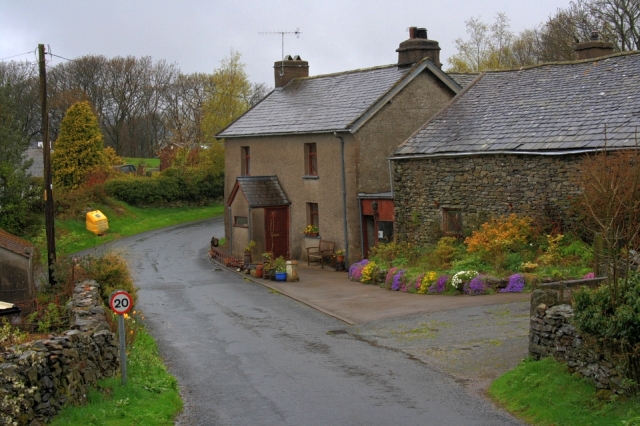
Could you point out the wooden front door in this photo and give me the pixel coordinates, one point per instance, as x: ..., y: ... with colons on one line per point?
x: 276, y: 230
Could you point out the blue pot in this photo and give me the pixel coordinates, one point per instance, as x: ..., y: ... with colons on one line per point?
x: 281, y: 276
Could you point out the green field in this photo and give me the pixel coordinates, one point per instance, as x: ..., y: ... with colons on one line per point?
x: 150, y: 162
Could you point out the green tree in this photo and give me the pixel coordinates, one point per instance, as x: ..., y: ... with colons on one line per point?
x: 230, y: 98
x: 19, y: 200
x: 79, y: 149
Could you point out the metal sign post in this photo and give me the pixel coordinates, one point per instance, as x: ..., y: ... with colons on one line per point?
x: 121, y: 303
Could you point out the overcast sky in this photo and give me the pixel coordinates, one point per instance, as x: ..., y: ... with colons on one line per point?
x: 336, y: 35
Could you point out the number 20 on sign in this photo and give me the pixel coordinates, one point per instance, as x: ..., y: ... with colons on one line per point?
x: 120, y: 302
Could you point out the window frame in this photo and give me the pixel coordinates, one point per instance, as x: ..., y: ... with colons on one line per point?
x: 311, y: 159
x: 245, y: 168
x: 237, y: 223
x: 313, y: 214
x: 452, y: 222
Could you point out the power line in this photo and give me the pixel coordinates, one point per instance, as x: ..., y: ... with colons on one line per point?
x: 15, y: 56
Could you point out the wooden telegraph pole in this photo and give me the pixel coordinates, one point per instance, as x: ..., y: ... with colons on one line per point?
x: 46, y: 155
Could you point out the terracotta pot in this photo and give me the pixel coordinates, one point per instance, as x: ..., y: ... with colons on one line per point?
x: 312, y: 234
x: 340, y: 258
x: 259, y: 270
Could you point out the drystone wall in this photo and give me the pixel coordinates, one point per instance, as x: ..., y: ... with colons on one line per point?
x: 552, y: 334
x: 37, y: 379
x: 480, y: 187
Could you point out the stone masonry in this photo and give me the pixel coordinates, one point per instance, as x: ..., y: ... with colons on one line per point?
x: 39, y: 378
x: 480, y: 187
x: 552, y: 334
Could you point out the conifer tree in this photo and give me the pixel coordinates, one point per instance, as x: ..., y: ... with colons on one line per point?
x: 79, y: 149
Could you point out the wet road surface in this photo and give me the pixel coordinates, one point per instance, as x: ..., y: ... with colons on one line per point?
x: 247, y: 355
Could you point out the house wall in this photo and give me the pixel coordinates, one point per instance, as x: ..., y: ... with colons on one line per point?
x: 284, y: 157
x: 239, y: 234
x: 392, y: 125
x: 16, y: 279
x: 480, y: 187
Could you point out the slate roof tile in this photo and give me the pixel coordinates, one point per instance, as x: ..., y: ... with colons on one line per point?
x: 548, y: 107
x: 262, y: 191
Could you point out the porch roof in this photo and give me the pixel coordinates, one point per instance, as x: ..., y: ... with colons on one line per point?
x: 260, y: 191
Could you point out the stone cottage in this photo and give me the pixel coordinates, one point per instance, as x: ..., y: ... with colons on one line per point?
x: 315, y: 151
x: 511, y: 142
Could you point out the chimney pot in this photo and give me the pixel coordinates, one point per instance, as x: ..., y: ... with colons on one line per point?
x: 412, y: 32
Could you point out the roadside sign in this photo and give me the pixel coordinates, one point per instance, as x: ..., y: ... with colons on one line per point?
x: 120, y: 302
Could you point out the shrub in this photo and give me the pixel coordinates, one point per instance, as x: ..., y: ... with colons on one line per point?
x: 459, y: 279
x: 475, y: 287
x: 369, y: 273
x: 425, y: 282
x: 500, y: 236
x: 111, y: 272
x: 445, y: 251
x: 169, y: 187
x: 355, y: 270
x: 439, y: 286
x: 516, y: 284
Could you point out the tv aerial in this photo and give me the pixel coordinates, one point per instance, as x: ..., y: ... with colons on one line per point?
x: 282, y: 34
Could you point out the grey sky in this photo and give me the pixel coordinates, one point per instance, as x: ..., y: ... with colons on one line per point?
x: 336, y: 35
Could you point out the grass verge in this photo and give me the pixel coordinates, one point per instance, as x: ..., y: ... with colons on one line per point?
x: 72, y: 235
x: 545, y: 393
x: 150, y: 162
x: 150, y: 397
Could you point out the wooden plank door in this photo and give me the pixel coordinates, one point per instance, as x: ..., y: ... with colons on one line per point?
x: 276, y: 230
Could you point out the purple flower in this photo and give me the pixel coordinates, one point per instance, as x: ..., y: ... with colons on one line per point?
x: 589, y: 276
x: 355, y: 270
x: 389, y: 278
x: 516, y: 284
x: 438, y: 286
x: 397, y: 280
x: 474, y: 287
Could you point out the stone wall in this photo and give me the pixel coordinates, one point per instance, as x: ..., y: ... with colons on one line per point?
x: 37, y: 379
x: 480, y: 187
x: 552, y: 334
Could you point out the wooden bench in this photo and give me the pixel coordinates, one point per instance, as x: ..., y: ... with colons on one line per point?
x: 324, y: 249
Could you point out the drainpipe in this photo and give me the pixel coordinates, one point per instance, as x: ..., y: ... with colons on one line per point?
x: 344, y: 198
x: 391, y: 176
x: 361, y: 228
x: 230, y: 224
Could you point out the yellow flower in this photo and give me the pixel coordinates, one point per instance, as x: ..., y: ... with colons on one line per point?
x: 126, y: 316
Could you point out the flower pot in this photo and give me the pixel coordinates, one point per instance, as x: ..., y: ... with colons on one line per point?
x: 272, y: 274
x: 281, y: 276
x: 311, y: 234
x: 259, y: 270
x: 340, y: 258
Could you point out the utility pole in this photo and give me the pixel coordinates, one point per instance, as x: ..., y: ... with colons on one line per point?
x: 46, y: 156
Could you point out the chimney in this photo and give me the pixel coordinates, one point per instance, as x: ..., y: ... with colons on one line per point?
x: 593, y: 48
x: 417, y: 47
x: 288, y: 69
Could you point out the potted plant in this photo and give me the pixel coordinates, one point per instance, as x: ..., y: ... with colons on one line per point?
x: 311, y: 231
x: 247, y: 252
x: 267, y: 259
x: 281, y: 268
x: 340, y: 255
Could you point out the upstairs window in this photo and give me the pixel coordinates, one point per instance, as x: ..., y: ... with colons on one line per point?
x: 311, y: 155
x: 313, y: 218
x: 246, y: 161
x: 452, y: 222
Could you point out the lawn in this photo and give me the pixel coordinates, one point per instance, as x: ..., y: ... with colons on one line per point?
x: 150, y: 162
x: 545, y: 393
x: 124, y: 220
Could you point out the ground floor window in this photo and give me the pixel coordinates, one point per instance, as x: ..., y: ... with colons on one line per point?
x: 241, y: 221
x: 452, y: 222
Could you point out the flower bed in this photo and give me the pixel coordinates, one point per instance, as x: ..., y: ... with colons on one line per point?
x: 507, y: 255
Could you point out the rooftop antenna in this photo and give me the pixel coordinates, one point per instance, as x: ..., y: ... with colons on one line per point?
x: 282, y: 33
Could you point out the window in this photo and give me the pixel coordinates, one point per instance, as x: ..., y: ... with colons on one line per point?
x: 313, y: 218
x: 452, y: 222
x: 311, y: 156
x: 246, y: 161
x: 242, y: 221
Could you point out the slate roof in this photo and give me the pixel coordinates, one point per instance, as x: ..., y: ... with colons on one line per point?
x: 463, y: 79
x: 326, y: 103
x: 260, y: 191
x: 15, y: 244
x: 560, y: 108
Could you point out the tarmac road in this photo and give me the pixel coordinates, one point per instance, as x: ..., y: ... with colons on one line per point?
x: 245, y: 354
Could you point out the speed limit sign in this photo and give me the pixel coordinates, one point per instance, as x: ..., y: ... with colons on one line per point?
x: 120, y: 302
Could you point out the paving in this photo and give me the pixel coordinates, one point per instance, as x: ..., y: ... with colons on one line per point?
x: 472, y: 338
